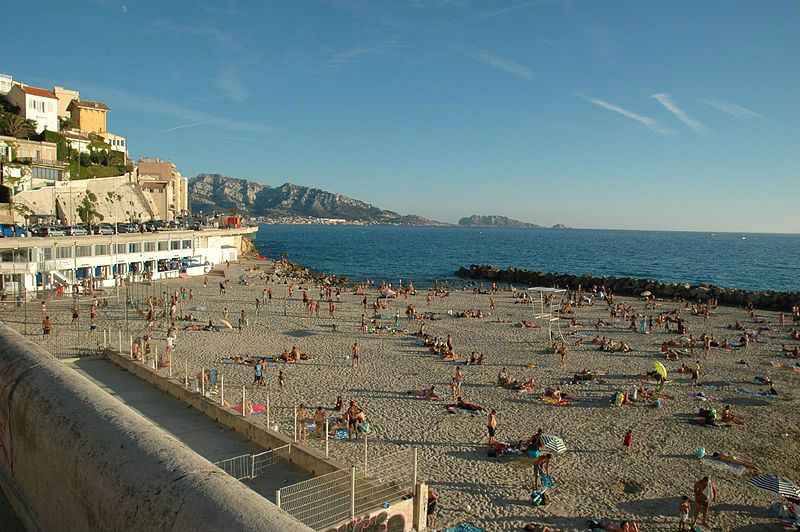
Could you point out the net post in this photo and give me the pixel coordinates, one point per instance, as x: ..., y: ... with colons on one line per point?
x: 327, y: 439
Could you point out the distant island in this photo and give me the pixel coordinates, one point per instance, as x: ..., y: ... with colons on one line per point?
x: 501, y: 221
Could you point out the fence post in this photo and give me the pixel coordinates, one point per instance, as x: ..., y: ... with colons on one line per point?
x: 130, y: 346
x: 327, y: 438
x: 155, y: 356
x: 365, y: 456
x: 119, y: 333
x: 252, y: 466
x: 415, y: 468
x: 186, y: 374
x: 278, y: 498
x: 169, y: 365
x: 268, y: 411
x: 105, y: 341
x: 222, y: 389
x: 244, y: 400
x: 203, y: 381
x: 352, y: 492
x: 295, y: 423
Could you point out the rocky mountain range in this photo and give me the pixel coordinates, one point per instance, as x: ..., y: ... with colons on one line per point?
x: 216, y: 192
x: 500, y: 221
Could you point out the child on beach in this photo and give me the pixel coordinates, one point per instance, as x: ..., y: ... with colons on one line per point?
x: 281, y: 381
x: 627, y: 441
x: 684, y: 513
x: 491, y: 425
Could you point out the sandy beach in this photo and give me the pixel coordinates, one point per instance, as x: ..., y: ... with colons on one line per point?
x: 594, y: 478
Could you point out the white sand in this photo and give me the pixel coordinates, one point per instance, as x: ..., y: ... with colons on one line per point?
x: 594, y: 478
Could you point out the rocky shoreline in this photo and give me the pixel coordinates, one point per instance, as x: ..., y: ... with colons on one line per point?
x: 766, y: 299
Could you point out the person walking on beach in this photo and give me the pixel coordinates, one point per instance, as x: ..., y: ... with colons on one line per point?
x: 455, y: 390
x: 356, y: 354
x: 258, y: 306
x: 242, y: 321
x: 627, y: 441
x: 491, y: 426
x: 696, y: 372
x: 683, y: 511
x: 258, y: 373
x: 75, y: 314
x: 363, y: 323
x: 704, y: 494
x: 46, y: 326
x: 300, y: 419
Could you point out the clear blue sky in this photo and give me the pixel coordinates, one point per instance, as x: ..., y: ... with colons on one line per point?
x: 619, y: 114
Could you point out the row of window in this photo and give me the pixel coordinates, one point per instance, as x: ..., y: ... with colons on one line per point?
x: 41, y: 106
x: 97, y: 250
x: 46, y: 173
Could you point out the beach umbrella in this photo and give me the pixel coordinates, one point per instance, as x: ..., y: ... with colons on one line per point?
x: 660, y: 369
x: 553, y: 443
x: 646, y: 293
x: 776, y: 484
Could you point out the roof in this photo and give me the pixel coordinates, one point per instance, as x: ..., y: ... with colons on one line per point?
x: 34, y: 91
x: 88, y: 105
x: 73, y: 136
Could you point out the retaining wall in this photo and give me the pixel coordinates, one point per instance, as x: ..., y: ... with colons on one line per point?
x: 73, y: 458
x: 253, y: 428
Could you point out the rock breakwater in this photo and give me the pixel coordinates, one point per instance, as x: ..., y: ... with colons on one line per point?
x: 629, y: 286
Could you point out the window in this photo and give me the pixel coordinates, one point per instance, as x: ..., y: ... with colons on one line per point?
x: 149, y: 246
x: 187, y: 244
x: 6, y: 255
x: 64, y: 252
x: 134, y: 247
x: 175, y: 244
x: 45, y: 173
x: 163, y: 246
x: 43, y: 254
x: 101, y: 249
x: 122, y: 248
x: 83, y: 251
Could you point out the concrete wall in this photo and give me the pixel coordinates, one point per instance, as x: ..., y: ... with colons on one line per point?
x: 303, y: 456
x: 73, y: 458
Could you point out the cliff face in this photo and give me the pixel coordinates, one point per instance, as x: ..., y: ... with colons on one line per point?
x: 218, y: 192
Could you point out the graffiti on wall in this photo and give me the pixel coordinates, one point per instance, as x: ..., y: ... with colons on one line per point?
x: 381, y: 522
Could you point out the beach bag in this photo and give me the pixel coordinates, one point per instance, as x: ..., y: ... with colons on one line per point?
x: 547, y: 481
x: 537, y: 498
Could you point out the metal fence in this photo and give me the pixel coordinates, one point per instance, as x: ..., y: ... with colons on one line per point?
x: 327, y: 500
x: 250, y: 466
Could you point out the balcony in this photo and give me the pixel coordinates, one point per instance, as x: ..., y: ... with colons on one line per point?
x: 41, y: 162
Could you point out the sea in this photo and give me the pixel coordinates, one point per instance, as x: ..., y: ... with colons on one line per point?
x: 752, y: 261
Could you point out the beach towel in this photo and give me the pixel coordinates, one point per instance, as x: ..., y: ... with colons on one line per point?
x: 256, y: 408
x: 556, y: 402
x: 736, y: 469
x: 340, y: 434
x: 700, y: 396
x: 751, y: 393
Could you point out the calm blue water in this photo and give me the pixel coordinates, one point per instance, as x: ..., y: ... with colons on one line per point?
x: 759, y: 262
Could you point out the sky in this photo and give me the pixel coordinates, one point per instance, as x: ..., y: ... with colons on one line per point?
x: 630, y: 114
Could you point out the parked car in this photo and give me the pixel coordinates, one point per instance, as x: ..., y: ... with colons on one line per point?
x: 126, y: 228
x: 11, y: 230
x: 104, y: 229
x: 76, y: 230
x: 48, y: 230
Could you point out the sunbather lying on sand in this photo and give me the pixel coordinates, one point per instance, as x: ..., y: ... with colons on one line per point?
x: 460, y: 403
x: 624, y: 526
x: 729, y: 458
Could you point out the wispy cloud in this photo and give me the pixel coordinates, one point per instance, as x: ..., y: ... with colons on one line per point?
x: 496, y: 61
x: 229, y: 81
x: 732, y: 109
x: 179, y: 127
x: 158, y: 107
x: 666, y: 100
x: 515, y: 7
x: 651, y: 123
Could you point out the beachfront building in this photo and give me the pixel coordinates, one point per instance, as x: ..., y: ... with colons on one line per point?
x: 153, y: 169
x: 117, y: 142
x: 77, y: 141
x: 30, y: 264
x: 39, y: 105
x: 88, y: 117
x: 65, y: 97
x: 29, y: 163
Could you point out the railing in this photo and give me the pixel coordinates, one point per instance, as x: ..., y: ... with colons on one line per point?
x: 328, y: 500
x: 44, y: 162
x: 250, y: 466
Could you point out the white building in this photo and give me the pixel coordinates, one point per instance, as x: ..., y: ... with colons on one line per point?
x: 6, y: 82
x: 39, y: 105
x: 28, y: 264
x: 117, y: 142
x: 77, y: 141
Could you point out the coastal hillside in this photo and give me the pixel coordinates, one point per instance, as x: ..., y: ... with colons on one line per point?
x: 210, y: 192
x: 500, y: 221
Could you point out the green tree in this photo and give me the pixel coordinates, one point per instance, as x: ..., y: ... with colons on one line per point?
x: 65, y: 123
x: 87, y: 209
x: 15, y: 126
